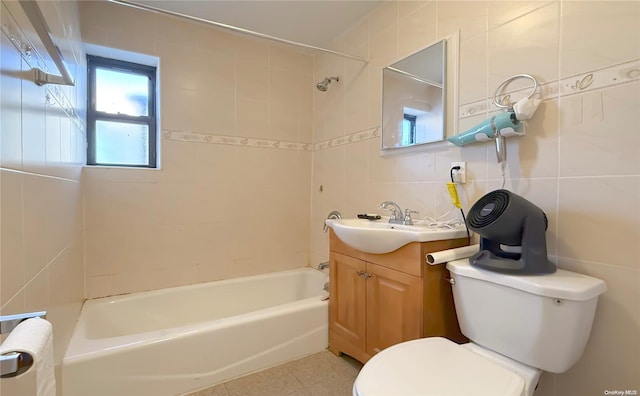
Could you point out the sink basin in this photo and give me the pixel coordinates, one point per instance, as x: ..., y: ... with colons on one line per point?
x: 383, y: 237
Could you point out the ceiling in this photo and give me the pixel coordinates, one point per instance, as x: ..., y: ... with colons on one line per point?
x: 313, y: 22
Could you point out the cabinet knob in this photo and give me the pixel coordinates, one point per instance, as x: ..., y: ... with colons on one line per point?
x: 360, y: 273
x: 367, y: 275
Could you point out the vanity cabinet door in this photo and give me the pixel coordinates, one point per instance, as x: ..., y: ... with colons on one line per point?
x: 394, y: 307
x: 347, y: 304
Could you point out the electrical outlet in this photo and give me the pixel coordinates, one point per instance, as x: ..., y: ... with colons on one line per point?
x: 460, y: 175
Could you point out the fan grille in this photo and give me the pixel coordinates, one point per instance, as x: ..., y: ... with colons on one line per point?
x: 497, y: 201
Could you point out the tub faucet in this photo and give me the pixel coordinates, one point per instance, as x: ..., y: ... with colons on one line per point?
x: 396, y: 211
x: 323, y: 265
x: 334, y: 214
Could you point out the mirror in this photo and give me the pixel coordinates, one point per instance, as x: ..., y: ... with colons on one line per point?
x: 413, y: 98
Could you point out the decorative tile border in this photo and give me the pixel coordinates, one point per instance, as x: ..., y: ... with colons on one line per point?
x: 602, y: 78
x: 186, y: 136
x: 352, y: 138
x: 589, y: 81
x: 598, y: 79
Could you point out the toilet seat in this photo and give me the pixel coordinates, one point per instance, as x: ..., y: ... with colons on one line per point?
x: 434, y: 367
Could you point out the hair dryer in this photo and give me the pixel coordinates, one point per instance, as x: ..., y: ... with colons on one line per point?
x: 497, y: 127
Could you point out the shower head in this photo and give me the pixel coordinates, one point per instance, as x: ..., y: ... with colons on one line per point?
x: 324, y: 84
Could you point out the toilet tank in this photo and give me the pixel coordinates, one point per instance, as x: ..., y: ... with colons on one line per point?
x: 543, y: 321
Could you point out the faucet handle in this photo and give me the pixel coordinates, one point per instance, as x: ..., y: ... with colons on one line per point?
x: 407, y: 216
x: 393, y: 215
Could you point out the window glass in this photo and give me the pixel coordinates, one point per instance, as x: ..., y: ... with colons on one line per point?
x: 408, y: 129
x: 121, y: 113
x: 120, y: 92
x: 119, y: 143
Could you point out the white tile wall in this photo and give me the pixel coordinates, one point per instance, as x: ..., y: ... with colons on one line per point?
x: 232, y: 197
x: 223, y: 208
x: 42, y: 138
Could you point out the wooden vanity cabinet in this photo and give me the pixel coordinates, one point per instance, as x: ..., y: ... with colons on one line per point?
x: 378, y: 300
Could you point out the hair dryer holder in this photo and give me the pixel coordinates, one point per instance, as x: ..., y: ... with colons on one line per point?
x: 504, y: 124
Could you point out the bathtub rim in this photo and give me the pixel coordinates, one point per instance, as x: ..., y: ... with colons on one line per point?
x: 140, y: 294
x: 81, y: 348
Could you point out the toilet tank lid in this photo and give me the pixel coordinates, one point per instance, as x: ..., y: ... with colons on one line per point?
x: 561, y: 284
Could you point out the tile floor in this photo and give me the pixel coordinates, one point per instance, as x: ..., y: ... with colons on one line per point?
x: 321, y: 374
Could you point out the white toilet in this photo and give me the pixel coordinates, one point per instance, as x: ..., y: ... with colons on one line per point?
x: 518, y: 327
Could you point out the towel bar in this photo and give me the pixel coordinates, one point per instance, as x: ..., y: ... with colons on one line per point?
x: 33, y: 12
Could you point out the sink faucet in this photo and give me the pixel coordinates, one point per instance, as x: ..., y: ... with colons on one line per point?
x: 396, y: 211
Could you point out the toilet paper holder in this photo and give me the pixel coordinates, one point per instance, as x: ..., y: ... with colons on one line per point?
x: 12, y: 363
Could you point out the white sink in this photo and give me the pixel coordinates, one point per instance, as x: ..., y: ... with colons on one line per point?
x: 383, y: 237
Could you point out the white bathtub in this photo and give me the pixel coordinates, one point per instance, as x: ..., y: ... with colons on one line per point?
x: 172, y: 341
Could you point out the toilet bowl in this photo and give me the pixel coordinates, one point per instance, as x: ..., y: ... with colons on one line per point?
x: 439, y: 367
x: 518, y: 326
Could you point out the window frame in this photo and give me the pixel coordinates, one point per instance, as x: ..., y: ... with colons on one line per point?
x: 93, y: 115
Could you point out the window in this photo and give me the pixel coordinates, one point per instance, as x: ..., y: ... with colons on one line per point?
x: 408, y: 129
x: 121, y: 113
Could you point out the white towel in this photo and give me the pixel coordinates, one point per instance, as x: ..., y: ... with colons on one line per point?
x: 34, y: 336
